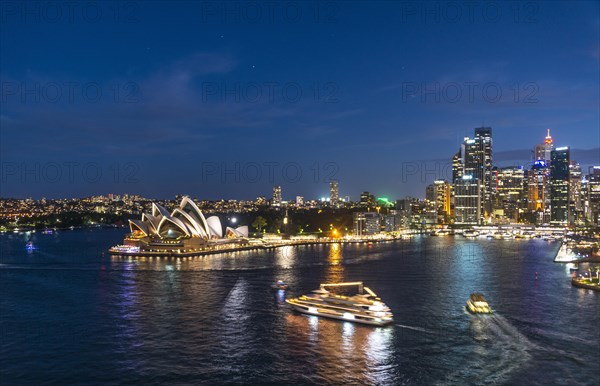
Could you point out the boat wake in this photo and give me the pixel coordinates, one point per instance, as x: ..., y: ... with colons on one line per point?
x: 415, y: 328
x: 501, y: 349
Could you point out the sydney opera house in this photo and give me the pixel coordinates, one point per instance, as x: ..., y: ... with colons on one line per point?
x: 183, y: 231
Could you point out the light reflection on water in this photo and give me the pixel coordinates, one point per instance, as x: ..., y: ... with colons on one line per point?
x: 215, y: 318
x: 346, y: 352
x: 284, y: 256
x: 335, y: 269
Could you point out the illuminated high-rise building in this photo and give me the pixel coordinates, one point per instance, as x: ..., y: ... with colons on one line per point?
x: 483, y: 135
x: 474, y: 159
x: 508, y: 188
x: 457, y: 172
x: 543, y: 150
x: 591, y: 184
x: 538, y: 191
x: 334, y: 193
x: 438, y: 195
x: 538, y: 181
x: 559, y: 185
x: 457, y: 165
x: 467, y: 201
x: 576, y: 212
x: 276, y: 196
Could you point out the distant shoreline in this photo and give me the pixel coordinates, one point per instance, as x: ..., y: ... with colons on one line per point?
x: 70, y: 228
x: 246, y: 248
x: 577, y: 283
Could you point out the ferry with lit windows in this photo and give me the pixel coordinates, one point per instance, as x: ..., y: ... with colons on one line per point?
x: 363, y: 307
x: 477, y: 304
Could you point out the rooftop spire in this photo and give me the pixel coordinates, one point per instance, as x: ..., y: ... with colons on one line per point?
x: 548, y: 139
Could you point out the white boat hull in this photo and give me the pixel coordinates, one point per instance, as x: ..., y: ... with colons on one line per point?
x: 477, y: 310
x: 304, y: 310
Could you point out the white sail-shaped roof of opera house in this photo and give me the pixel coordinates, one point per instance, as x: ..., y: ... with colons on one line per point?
x: 185, y: 221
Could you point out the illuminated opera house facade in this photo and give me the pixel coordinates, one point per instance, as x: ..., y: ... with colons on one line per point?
x: 183, y: 231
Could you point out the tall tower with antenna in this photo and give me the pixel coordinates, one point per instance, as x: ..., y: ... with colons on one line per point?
x: 543, y: 150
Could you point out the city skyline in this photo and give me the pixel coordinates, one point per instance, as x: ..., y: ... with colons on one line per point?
x: 299, y: 192
x: 424, y: 172
x: 319, y: 93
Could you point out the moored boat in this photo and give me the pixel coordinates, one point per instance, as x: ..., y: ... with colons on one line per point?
x: 471, y: 233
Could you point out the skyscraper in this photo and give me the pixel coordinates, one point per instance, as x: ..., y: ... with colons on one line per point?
x: 457, y: 172
x: 438, y: 194
x: 467, y: 201
x: 334, y: 193
x: 538, y: 192
x: 472, y: 163
x: 483, y: 137
x: 276, y: 196
x: 592, y: 193
x: 542, y: 151
x: 559, y: 185
x: 508, y: 188
x: 576, y: 214
x: 457, y: 165
x: 538, y: 181
x: 475, y: 159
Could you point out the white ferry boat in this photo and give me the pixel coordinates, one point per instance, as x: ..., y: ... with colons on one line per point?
x: 477, y: 304
x: 363, y: 307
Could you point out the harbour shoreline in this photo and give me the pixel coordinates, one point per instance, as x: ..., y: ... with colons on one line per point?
x: 577, y: 283
x: 243, y: 248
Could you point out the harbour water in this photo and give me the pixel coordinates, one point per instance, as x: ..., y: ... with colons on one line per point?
x: 71, y: 314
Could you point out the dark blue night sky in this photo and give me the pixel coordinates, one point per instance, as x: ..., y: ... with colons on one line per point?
x: 226, y: 100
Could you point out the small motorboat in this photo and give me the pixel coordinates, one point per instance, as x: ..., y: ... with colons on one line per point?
x: 29, y: 246
x: 477, y: 304
x: 279, y: 285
